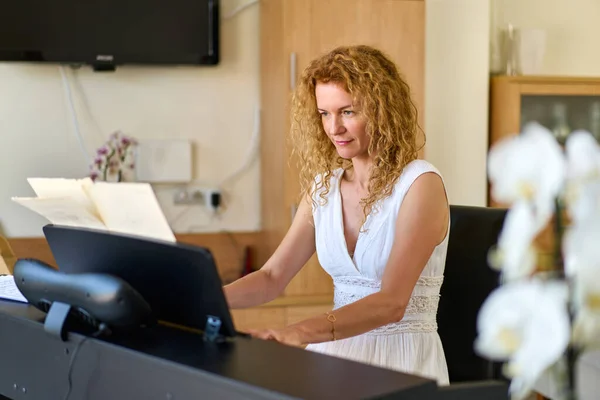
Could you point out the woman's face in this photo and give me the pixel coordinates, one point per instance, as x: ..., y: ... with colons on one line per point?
x: 342, y: 122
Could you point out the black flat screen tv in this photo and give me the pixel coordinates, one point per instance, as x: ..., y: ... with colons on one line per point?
x: 107, y: 33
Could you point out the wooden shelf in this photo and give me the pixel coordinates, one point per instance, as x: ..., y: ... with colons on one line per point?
x: 516, y: 100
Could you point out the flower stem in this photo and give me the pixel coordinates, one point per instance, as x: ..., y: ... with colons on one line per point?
x: 571, y: 352
x: 558, y: 238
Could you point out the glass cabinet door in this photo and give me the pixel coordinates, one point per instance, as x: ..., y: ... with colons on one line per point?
x: 562, y: 114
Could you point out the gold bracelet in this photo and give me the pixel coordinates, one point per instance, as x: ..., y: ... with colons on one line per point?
x: 331, y: 318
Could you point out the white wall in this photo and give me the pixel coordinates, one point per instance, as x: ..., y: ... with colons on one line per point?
x: 213, y: 106
x: 456, y: 95
x: 572, y: 29
x: 461, y: 37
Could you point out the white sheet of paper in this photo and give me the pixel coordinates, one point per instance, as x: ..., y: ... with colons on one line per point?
x: 131, y: 208
x: 9, y: 289
x: 75, y: 189
x: 62, y: 211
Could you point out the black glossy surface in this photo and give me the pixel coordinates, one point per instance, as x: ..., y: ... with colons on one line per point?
x: 109, y: 33
x: 94, y: 298
x: 180, y: 282
x: 253, y: 363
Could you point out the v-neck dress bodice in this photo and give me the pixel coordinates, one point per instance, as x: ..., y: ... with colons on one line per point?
x: 413, y: 344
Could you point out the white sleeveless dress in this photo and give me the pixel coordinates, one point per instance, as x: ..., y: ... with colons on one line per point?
x: 411, y: 345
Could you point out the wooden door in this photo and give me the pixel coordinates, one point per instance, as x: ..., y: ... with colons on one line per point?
x: 297, y: 17
x: 397, y: 27
x: 306, y: 29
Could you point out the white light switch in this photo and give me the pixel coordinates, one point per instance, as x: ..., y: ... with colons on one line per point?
x: 164, y: 161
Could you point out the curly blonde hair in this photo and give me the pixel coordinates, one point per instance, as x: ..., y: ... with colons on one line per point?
x: 384, y: 100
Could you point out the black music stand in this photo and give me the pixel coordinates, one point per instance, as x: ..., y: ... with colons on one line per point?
x: 180, y: 282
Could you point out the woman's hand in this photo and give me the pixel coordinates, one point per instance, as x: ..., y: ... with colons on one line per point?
x: 289, y: 336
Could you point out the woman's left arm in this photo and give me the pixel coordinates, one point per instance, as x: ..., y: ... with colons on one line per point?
x: 421, y: 225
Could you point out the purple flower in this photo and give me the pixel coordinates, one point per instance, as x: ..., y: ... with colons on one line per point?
x: 113, y: 156
x: 102, y: 151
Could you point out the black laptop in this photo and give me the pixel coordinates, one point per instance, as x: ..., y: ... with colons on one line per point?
x: 180, y: 282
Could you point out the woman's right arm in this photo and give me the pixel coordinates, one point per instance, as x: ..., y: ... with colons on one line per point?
x: 267, y: 283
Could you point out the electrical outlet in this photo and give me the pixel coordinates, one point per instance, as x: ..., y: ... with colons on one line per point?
x: 211, y: 198
x: 214, y: 199
x: 190, y: 197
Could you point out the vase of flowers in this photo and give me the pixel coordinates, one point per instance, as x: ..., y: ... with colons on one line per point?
x: 115, y: 160
x: 540, y: 319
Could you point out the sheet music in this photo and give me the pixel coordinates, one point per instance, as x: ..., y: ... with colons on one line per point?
x: 75, y: 189
x: 62, y: 211
x: 9, y: 289
x: 131, y: 208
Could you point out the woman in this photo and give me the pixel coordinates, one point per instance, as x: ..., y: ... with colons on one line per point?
x: 377, y: 217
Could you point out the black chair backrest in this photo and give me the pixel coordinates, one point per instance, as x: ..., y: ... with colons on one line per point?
x: 468, y: 280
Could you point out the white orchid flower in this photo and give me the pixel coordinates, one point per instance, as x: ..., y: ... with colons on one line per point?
x: 530, y: 167
x: 583, y: 201
x: 583, y: 171
x: 586, y: 327
x: 586, y: 296
x: 515, y: 255
x: 583, y: 156
x: 586, y: 300
x: 581, y: 247
x: 526, y: 323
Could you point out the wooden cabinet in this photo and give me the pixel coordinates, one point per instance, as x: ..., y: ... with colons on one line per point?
x: 517, y: 100
x: 561, y: 104
x: 293, y: 32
